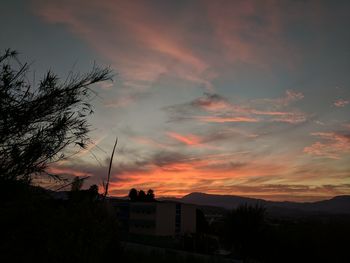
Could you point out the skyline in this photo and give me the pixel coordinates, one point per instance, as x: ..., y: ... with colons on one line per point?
x: 247, y: 98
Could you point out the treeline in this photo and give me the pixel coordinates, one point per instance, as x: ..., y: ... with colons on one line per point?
x: 35, y: 227
x: 249, y: 234
x: 141, y: 196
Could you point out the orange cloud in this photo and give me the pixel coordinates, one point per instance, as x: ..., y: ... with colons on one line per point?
x: 174, y: 174
x: 218, y: 119
x: 180, y: 175
x: 189, y: 139
x: 182, y: 178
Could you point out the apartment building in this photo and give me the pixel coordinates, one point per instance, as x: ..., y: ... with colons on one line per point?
x: 156, y: 218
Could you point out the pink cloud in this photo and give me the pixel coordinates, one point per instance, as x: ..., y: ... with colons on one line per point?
x: 341, y: 103
x: 212, y: 102
x: 60, y: 170
x: 291, y: 117
x: 333, y: 145
x: 243, y: 39
x: 141, y: 44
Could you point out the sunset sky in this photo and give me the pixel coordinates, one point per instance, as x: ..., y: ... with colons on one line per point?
x: 247, y: 98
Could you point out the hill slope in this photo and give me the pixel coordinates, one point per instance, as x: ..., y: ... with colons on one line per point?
x: 336, y: 205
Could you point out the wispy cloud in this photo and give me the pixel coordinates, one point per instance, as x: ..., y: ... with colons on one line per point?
x: 333, y: 145
x: 66, y: 171
x: 138, y: 40
x: 224, y: 119
x: 150, y: 142
x: 247, y: 29
x: 223, y: 110
x: 125, y: 99
x: 189, y: 139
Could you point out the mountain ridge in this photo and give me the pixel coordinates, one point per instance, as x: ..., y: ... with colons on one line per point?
x: 335, y: 205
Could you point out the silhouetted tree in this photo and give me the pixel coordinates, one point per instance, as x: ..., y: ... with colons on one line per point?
x: 37, y: 228
x: 202, y: 225
x: 38, y: 121
x: 141, y: 195
x: 133, y: 194
x: 93, y: 192
x: 245, y: 229
x: 150, y: 195
x: 77, y: 184
x: 94, y: 189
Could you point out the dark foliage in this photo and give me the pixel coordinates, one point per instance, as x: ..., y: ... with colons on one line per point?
x: 202, y: 225
x: 311, y: 239
x: 77, y: 184
x: 37, y: 228
x: 245, y: 229
x: 133, y: 194
x: 141, y: 196
x: 254, y: 236
x: 150, y: 195
x: 39, y: 121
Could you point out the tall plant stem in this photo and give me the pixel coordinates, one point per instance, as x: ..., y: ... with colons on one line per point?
x: 110, y: 168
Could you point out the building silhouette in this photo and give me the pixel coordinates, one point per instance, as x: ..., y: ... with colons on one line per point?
x: 156, y: 218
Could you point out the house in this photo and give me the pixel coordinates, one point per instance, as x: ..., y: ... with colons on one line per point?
x: 156, y: 218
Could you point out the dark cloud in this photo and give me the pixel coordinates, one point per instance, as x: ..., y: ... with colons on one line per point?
x: 208, y: 100
x: 184, y: 111
x: 214, y: 108
x: 164, y: 158
x: 227, y: 166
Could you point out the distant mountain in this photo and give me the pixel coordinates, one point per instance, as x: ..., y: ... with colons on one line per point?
x: 225, y: 201
x: 336, y: 205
